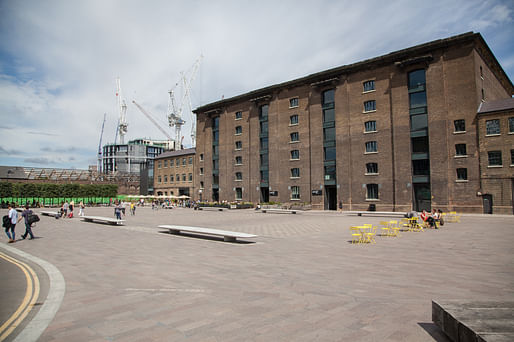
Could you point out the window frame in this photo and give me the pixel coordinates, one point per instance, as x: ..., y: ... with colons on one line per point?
x: 297, y: 152
x: 372, y: 189
x: 239, y: 160
x: 490, y: 157
x: 370, y: 89
x: 294, y: 102
x: 294, y: 134
x: 238, y: 176
x: 455, y: 124
x: 239, y: 115
x: 372, y: 104
x: 373, y: 166
x: 239, y: 145
x: 461, y: 174
x: 496, y: 132
x: 465, y: 150
x: 293, y: 122
x: 238, y: 130
x: 373, y: 144
x: 374, y: 126
x: 294, y: 173
x: 295, y: 193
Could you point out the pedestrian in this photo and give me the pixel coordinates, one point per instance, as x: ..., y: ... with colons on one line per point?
x: 117, y: 211
x: 13, y: 216
x: 28, y: 229
x: 341, y: 206
x: 65, y: 207
x: 72, y: 205
x: 81, y: 208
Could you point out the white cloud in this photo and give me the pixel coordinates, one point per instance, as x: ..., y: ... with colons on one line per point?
x: 59, y: 59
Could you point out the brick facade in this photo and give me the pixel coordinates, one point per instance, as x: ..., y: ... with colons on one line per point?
x: 174, y: 173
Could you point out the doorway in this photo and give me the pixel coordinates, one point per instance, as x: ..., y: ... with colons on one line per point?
x: 422, y: 197
x: 215, y: 195
x: 264, y: 194
x: 487, y: 201
x: 330, y: 197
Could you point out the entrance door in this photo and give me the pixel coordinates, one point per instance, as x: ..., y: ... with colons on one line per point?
x: 330, y: 197
x: 215, y: 195
x: 422, y: 197
x: 264, y: 194
x: 487, y: 201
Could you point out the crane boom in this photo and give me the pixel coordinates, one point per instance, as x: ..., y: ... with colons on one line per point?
x: 100, y: 145
x: 149, y: 116
x: 122, y: 106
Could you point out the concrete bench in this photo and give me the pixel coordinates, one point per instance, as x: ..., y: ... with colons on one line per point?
x: 50, y: 213
x: 227, y: 235
x: 279, y: 211
x: 211, y: 208
x: 376, y: 213
x: 108, y: 220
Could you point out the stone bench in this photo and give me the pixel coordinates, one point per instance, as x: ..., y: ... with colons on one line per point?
x: 376, y: 213
x: 50, y: 213
x: 227, y: 235
x: 211, y: 208
x: 108, y: 220
x: 279, y: 211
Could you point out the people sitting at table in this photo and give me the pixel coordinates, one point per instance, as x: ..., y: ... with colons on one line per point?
x: 428, y: 218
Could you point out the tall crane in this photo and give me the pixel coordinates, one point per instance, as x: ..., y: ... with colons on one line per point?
x: 100, y: 146
x: 175, y: 113
x: 150, y: 117
x: 122, y: 107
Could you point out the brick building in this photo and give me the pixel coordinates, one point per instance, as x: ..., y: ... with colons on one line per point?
x: 173, y: 173
x: 495, y: 122
x: 379, y: 133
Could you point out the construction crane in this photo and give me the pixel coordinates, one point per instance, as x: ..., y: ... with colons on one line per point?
x: 150, y: 117
x: 100, y: 145
x: 175, y: 113
x: 122, y: 107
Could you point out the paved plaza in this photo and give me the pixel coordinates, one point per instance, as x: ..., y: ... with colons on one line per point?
x: 299, y: 280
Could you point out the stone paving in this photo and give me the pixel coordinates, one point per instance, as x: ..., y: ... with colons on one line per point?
x: 300, y: 280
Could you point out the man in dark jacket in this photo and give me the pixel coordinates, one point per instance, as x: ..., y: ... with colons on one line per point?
x: 28, y: 229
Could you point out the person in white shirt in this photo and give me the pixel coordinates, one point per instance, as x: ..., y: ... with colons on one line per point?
x: 13, y: 216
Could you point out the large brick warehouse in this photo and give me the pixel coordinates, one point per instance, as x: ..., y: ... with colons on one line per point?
x: 394, y: 133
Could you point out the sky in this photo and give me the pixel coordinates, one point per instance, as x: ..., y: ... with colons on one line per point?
x: 59, y: 59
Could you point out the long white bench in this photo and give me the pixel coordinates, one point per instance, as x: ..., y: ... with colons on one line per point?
x: 227, y: 235
x: 108, y: 220
x: 279, y: 211
x: 50, y: 213
x: 376, y: 213
x: 211, y: 208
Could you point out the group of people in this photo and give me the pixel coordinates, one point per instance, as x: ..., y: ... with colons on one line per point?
x: 67, y: 209
x: 12, y: 220
x: 432, y: 218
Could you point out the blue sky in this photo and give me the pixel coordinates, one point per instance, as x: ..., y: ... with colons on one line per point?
x: 59, y: 59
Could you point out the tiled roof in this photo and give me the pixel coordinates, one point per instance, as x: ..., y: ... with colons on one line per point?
x: 496, y: 106
x: 176, y: 153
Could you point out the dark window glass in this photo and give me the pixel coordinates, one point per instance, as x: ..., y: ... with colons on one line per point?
x: 264, y: 176
x: 329, y: 115
x: 492, y: 126
x: 172, y: 179
x: 216, y: 123
x: 460, y: 125
x: 239, y: 193
x: 183, y: 177
x: 201, y: 184
x: 293, y: 102
x: 368, y: 85
x: 215, y: 164
x: 201, y: 156
x: 264, y: 143
x: 201, y: 170
x: 264, y: 159
x: 190, y: 176
x: 263, y: 112
x: 330, y: 173
x: 239, y: 175
x: 239, y: 145
x: 462, y: 174
x: 370, y: 105
x: 239, y: 115
x: 239, y: 160
x: 371, y: 191
x: 215, y: 179
x: 293, y: 119
x: 172, y: 162
x: 371, y: 146
x: 418, y: 122
x: 215, y: 136
x: 329, y: 153
x: 421, y: 167
x: 370, y: 126
x: 295, y: 192
x: 416, y: 78
x: 295, y: 172
x: 460, y: 150
x: 420, y: 145
x: 328, y: 96
x: 511, y: 125
x: 177, y: 177
x: 511, y: 157
x: 295, y: 136
x: 190, y: 160
x: 295, y: 154
x: 183, y: 161
x: 264, y: 127
x: 329, y: 134
x: 239, y: 129
x: 215, y: 151
x: 495, y: 158
x: 418, y: 99
x: 371, y: 168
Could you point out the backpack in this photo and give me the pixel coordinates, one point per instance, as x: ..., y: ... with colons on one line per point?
x: 32, y: 218
x: 6, y: 221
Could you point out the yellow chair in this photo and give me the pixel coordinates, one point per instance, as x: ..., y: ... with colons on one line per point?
x: 395, y: 228
x: 356, y: 235
x: 385, y: 228
x: 370, y: 236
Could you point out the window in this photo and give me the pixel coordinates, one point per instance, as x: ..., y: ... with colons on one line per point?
x: 459, y: 125
x: 295, y: 154
x: 329, y: 134
x: 329, y: 153
x: 190, y: 177
x: 295, y: 136
x: 201, y: 185
x: 239, y: 176
x: 239, y: 193
x: 330, y: 173
x: 239, y: 130
x: 239, y: 115
x: 492, y: 127
x: 239, y: 160
x: 264, y: 176
x: 293, y: 119
x: 511, y: 125
x: 183, y: 161
x: 421, y: 167
x: 171, y: 179
x: 239, y: 145
x: 216, y: 123
x: 371, y: 191
x: 494, y: 158
x: 215, y: 164
x: 371, y: 168
x: 264, y: 143
x: 177, y: 177
x: 264, y: 159
x: 328, y: 97
x: 460, y: 150
x: 201, y: 171
x: 462, y: 174
x: 159, y: 179
x: 368, y: 86
x: 329, y: 115
x: 371, y: 146
x: 263, y: 127
x: 190, y: 160
x: 370, y: 106
x: 511, y: 157
x: 215, y: 179
x: 201, y: 156
x: 165, y: 163
x: 417, y: 79
x: 293, y: 102
x: 295, y: 172
x: 370, y: 126
x: 172, y: 162
x: 295, y: 192
x: 165, y: 179
x: 215, y: 150
x: 263, y: 113
x: 159, y: 164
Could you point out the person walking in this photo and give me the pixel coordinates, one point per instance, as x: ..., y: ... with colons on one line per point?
x: 81, y: 208
x: 117, y: 211
x: 65, y: 207
x: 28, y: 229
x: 13, y: 216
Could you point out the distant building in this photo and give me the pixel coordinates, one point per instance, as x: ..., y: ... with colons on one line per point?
x: 174, y: 173
x: 392, y: 133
